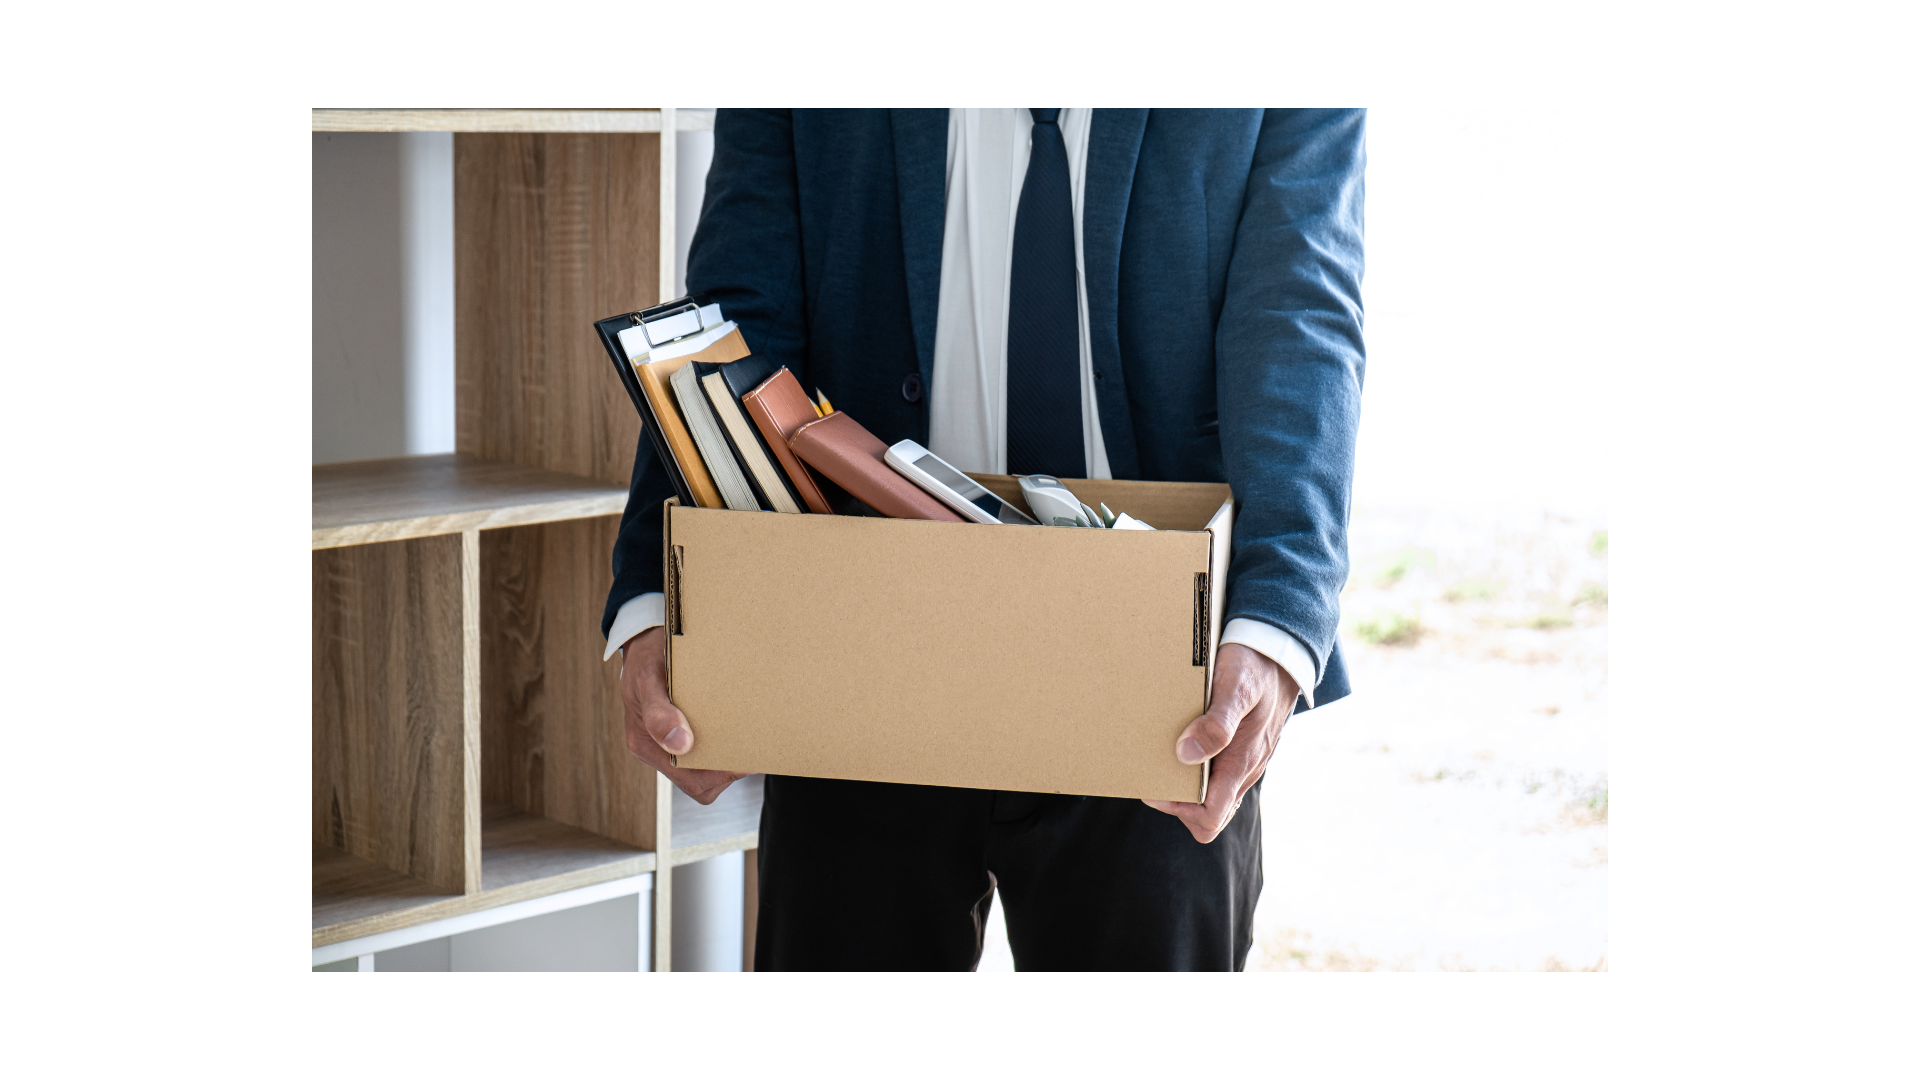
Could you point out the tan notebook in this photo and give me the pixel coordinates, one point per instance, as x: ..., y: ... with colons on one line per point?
x: 653, y: 382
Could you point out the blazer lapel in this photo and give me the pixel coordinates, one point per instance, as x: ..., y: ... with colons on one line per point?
x: 1113, y: 150
x: 920, y: 160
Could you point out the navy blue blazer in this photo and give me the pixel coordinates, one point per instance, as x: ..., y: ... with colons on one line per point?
x: 1223, y: 257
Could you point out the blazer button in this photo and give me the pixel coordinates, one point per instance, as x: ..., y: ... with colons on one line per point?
x: 911, y: 387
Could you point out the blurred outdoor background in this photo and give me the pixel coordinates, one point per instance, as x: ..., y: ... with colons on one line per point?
x: 1452, y: 813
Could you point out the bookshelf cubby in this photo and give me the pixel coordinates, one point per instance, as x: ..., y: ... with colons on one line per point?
x: 468, y: 744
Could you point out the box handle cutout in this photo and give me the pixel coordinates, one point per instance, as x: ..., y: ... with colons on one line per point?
x: 676, y: 561
x: 1202, y: 624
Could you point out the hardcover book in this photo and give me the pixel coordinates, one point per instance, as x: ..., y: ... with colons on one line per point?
x: 736, y: 492
x: 779, y: 407
x: 724, y: 384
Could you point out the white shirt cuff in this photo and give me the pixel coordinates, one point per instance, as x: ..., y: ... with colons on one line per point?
x: 1276, y: 645
x: 642, y: 613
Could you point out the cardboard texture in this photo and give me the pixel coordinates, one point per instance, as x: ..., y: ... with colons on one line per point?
x: 962, y: 655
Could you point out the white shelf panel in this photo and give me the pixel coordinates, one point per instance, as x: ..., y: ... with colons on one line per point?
x: 558, y: 121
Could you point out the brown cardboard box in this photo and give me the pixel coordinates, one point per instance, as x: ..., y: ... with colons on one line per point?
x: 919, y: 652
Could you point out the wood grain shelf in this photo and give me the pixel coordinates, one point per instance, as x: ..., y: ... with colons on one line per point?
x: 394, y: 728
x: 681, y: 856
x: 522, y: 856
x: 367, y: 502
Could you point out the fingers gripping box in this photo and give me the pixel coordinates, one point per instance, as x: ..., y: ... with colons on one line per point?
x: 1007, y: 657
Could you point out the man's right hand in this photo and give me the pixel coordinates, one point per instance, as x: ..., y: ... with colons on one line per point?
x: 656, y: 728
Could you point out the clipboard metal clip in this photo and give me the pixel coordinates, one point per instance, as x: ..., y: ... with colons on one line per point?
x: 671, y: 321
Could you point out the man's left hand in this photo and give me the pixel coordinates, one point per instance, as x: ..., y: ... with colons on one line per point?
x: 1252, y: 699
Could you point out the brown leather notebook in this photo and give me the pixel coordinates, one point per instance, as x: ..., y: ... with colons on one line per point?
x: 779, y: 408
x: 850, y: 456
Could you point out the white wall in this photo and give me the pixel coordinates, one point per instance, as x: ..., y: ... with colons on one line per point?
x: 694, y: 153
x: 382, y: 295
x: 1486, y: 376
x: 709, y: 928
x: 426, y: 223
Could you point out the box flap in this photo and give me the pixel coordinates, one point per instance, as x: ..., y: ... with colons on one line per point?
x: 1220, y: 552
x: 670, y: 578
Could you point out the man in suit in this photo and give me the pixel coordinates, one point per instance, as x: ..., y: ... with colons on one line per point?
x: 1142, y: 294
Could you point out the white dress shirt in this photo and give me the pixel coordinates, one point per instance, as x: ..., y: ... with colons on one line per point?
x: 987, y: 151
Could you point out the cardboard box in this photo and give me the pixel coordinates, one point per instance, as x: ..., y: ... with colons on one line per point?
x: 918, y: 652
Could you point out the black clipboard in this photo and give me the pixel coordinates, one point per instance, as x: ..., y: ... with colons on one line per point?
x: 609, y: 330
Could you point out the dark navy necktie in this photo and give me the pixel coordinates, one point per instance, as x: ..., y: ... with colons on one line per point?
x: 1043, y: 317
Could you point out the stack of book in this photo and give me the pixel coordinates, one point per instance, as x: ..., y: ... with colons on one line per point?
x: 738, y: 432
x: 722, y: 420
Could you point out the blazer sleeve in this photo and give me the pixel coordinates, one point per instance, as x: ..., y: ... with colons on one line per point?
x: 745, y: 256
x: 1290, y: 362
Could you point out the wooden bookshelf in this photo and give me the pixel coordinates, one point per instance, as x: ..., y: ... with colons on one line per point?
x: 469, y: 747
x: 524, y: 856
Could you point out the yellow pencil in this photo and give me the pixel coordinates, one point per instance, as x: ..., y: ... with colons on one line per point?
x: 824, y: 406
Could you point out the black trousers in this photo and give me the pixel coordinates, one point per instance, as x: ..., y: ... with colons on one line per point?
x: 894, y: 877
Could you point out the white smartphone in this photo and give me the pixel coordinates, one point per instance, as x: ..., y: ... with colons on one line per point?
x: 951, y: 486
